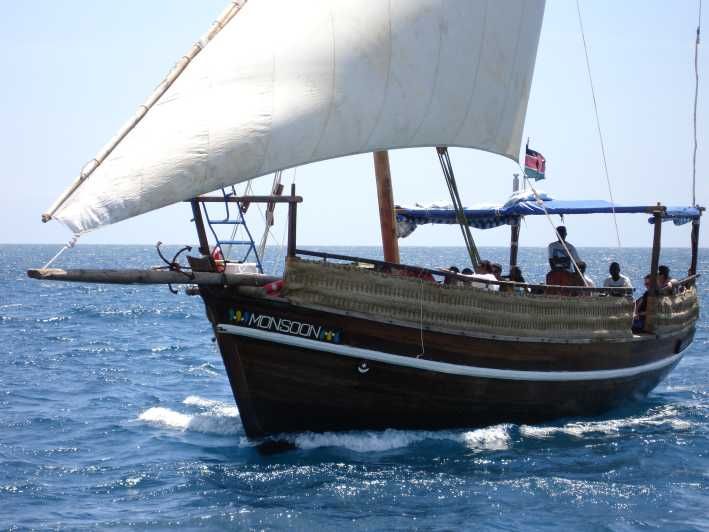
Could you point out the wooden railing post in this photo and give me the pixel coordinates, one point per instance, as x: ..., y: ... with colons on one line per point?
x: 652, y: 293
x: 199, y: 223
x: 292, y: 216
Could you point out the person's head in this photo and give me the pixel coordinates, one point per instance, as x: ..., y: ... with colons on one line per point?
x: 486, y: 266
x: 454, y: 269
x: 614, y: 270
x: 582, y: 266
x: 646, y: 281
x: 562, y: 232
x: 496, y: 269
x: 467, y: 271
x: 663, y: 275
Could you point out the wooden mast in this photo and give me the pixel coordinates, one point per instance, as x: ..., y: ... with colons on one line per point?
x: 385, y: 195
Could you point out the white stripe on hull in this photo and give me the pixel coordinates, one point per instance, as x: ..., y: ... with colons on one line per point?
x: 445, y: 367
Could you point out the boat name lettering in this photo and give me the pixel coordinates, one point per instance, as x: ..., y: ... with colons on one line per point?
x: 253, y: 320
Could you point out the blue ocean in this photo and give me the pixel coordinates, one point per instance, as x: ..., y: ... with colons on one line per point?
x: 115, y: 412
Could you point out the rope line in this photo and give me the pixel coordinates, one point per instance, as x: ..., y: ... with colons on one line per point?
x: 540, y: 202
x: 68, y: 245
x: 598, y: 123
x: 447, y: 168
x: 696, y: 96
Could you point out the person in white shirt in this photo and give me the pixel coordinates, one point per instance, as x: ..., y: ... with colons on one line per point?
x: 557, y: 251
x: 483, y: 272
x: 616, y: 279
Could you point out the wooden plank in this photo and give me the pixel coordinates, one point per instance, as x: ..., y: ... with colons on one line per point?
x: 250, y: 199
x: 134, y: 276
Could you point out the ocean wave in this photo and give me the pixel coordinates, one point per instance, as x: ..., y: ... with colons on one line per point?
x: 204, y: 369
x: 493, y: 438
x: 664, y: 417
x: 215, y: 417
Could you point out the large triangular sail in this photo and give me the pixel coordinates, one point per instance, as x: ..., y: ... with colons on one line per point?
x: 288, y: 83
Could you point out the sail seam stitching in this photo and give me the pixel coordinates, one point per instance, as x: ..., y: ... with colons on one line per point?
x: 331, y: 105
x: 516, y: 63
x: 385, y: 92
x: 477, y: 72
x: 436, y: 78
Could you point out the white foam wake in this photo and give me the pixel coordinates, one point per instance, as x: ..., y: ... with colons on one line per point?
x: 487, y: 439
x: 665, y: 417
x: 214, y: 417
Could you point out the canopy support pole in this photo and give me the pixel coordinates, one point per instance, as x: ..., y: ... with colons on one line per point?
x: 199, y: 223
x: 292, y: 218
x: 514, y: 228
x: 385, y: 195
x: 651, y: 307
x: 695, y: 247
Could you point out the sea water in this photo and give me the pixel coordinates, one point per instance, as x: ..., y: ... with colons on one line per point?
x: 115, y: 412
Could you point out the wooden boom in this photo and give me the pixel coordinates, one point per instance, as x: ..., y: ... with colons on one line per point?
x: 149, y: 277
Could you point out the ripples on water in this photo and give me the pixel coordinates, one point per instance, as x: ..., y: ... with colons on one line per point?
x: 115, y: 411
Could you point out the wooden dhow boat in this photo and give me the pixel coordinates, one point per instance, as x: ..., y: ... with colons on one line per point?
x: 340, y: 342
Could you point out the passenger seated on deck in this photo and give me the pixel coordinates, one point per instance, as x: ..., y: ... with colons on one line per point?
x: 557, y: 251
x: 496, y: 270
x: 641, y: 308
x: 451, y: 280
x: 582, y: 270
x: 665, y: 282
x: 515, y: 277
x: 482, y: 271
x: 616, y: 279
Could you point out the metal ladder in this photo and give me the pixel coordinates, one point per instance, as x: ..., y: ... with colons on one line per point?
x: 233, y: 221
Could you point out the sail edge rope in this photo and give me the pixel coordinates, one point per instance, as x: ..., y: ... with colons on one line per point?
x: 696, y: 97
x: 88, y: 169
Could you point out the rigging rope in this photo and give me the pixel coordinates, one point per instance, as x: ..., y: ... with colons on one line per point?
x: 447, y: 168
x: 68, y: 245
x: 540, y: 202
x: 696, y: 95
x: 598, y: 123
x: 268, y: 217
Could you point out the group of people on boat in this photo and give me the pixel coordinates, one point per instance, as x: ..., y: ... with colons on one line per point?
x: 485, y: 276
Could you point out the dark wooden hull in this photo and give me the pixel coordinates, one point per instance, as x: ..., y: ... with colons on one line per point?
x: 288, y: 376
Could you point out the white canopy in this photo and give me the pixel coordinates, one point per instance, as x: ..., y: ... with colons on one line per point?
x: 286, y: 83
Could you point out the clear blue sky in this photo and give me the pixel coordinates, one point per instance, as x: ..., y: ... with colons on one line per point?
x: 74, y: 71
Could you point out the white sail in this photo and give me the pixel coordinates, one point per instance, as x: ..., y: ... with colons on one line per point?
x: 286, y: 83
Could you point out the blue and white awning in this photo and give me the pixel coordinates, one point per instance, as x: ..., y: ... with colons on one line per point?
x: 494, y: 216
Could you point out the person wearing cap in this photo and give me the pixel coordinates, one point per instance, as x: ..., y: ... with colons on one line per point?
x: 557, y: 250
